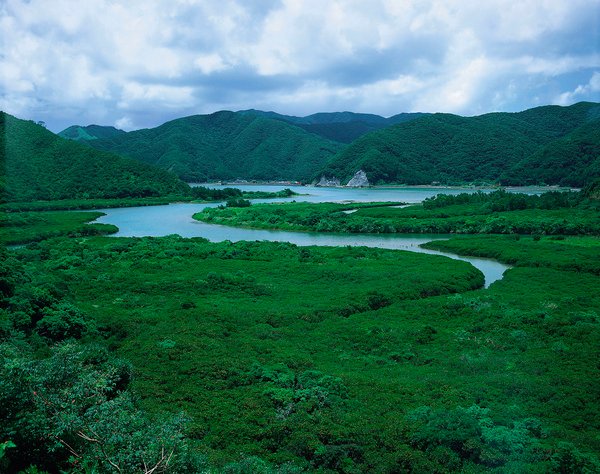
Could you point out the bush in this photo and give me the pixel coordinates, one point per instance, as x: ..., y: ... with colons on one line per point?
x: 238, y: 203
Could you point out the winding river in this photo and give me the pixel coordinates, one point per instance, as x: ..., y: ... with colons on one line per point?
x: 159, y: 221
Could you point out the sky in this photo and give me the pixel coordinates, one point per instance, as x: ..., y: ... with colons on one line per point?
x: 137, y: 64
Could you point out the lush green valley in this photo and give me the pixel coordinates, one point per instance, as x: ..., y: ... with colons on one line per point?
x: 311, y: 359
x: 226, y: 145
x: 179, y: 355
x: 551, y: 145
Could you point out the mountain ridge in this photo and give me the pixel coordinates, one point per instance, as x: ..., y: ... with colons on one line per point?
x: 451, y: 149
x: 226, y: 145
x: 36, y: 164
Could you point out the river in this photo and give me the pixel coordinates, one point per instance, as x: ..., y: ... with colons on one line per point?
x: 159, y: 221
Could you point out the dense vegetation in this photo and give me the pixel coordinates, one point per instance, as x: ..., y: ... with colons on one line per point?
x: 35, y: 164
x: 344, y: 127
x: 247, y: 355
x: 551, y: 145
x: 572, y: 159
x: 23, y: 227
x: 499, y: 212
x: 579, y: 254
x: 90, y: 132
x: 179, y: 355
x: 226, y: 145
x: 544, y: 145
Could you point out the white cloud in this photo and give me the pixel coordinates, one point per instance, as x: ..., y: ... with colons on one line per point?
x: 589, y: 91
x: 209, y: 63
x: 65, y: 61
x: 124, y: 123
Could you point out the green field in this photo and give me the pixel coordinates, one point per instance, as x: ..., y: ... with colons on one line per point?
x: 333, y: 359
x: 495, y: 213
x: 24, y: 227
x: 268, y: 357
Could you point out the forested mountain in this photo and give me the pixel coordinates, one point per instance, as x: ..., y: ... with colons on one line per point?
x: 344, y: 127
x: 39, y: 165
x: 90, y: 132
x: 571, y: 159
x: 511, y: 148
x: 226, y: 145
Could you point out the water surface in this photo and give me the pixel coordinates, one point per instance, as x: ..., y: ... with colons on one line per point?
x: 158, y: 221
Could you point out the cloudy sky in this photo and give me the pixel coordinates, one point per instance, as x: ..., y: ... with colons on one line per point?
x: 137, y: 64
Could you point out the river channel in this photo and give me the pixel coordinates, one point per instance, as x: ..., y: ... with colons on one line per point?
x: 176, y: 218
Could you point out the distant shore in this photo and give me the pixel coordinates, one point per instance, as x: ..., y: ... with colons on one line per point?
x: 391, y: 186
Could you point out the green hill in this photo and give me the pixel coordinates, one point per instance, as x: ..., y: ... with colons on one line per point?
x: 344, y: 127
x: 90, y: 132
x: 571, y: 160
x: 226, y: 145
x: 497, y: 147
x: 39, y: 165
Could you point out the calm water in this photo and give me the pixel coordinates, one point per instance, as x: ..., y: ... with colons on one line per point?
x: 411, y: 194
x: 159, y: 221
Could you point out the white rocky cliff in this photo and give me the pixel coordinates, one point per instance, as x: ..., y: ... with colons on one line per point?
x: 359, y: 180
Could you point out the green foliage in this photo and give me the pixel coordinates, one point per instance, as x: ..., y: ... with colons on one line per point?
x: 64, y: 321
x: 581, y: 254
x: 568, y: 161
x: 226, y: 145
x: 290, y: 359
x: 472, y: 435
x: 23, y: 227
x: 69, y: 411
x: 344, y: 127
x: 238, y: 203
x: 91, y: 132
x: 38, y: 165
x: 551, y: 145
x: 500, y: 212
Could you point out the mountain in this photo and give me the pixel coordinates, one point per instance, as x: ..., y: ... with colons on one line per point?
x: 39, y: 165
x: 90, y: 132
x: 344, y: 127
x: 571, y: 160
x: 512, y: 148
x: 226, y: 145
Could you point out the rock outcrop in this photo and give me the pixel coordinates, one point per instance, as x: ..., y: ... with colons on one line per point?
x: 359, y: 180
x: 328, y: 181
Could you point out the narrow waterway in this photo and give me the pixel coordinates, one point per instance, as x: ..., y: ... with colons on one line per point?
x: 159, y: 221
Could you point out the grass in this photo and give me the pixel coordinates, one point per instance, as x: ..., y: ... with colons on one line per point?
x: 581, y: 254
x: 24, y: 227
x: 460, y: 219
x: 320, y: 356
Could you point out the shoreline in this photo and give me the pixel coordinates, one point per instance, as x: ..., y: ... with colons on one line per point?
x: 394, y: 186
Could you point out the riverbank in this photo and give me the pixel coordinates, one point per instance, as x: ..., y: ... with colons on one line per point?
x: 480, y: 187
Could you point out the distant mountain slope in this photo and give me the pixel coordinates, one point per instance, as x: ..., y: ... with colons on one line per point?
x: 344, y: 127
x: 90, y: 132
x: 571, y: 160
x: 36, y: 164
x: 226, y: 145
x: 452, y: 149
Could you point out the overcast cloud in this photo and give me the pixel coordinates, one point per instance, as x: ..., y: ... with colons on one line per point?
x: 137, y: 64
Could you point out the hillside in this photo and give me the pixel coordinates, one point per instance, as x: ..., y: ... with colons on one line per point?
x: 39, y: 165
x: 569, y: 160
x: 512, y: 148
x: 90, y: 132
x: 344, y: 127
x: 226, y: 145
